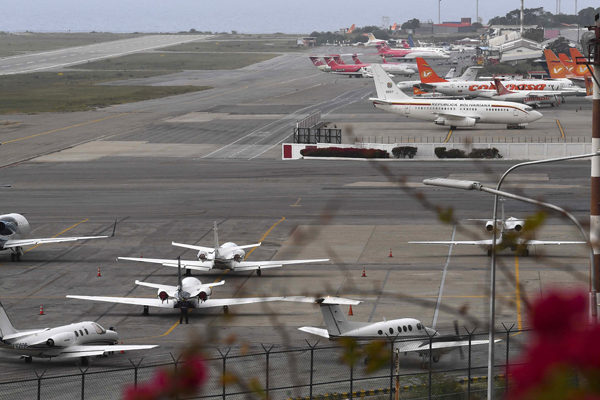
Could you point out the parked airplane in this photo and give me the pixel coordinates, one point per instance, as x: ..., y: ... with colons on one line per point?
x: 506, y: 225
x: 411, y: 335
x: 320, y: 64
x: 431, y: 81
x: 79, y: 340
x: 559, y: 71
x: 14, y: 226
x: 470, y: 74
x: 393, y: 68
x: 189, y: 293
x: 533, y: 98
x: 451, y: 113
x: 356, y: 70
x: 373, y: 41
x: 408, y: 53
x: 226, y: 256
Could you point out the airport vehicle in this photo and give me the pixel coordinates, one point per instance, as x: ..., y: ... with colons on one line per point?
x: 14, y: 226
x: 226, y: 256
x: 409, y: 53
x: 470, y: 74
x: 453, y: 113
x: 410, y: 334
x: 79, y: 340
x: 392, y: 68
x: 189, y: 293
x: 431, y: 81
x: 511, y: 224
x: 533, y: 98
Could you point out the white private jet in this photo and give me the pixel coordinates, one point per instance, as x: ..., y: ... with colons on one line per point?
x: 505, y: 225
x: 189, y: 293
x: 13, y: 226
x: 226, y: 256
x: 453, y: 113
x: 79, y: 340
x: 410, y: 334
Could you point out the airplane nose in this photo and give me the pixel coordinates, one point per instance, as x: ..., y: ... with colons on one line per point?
x: 535, y: 115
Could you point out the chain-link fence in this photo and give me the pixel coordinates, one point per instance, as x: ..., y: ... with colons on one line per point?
x: 401, y: 369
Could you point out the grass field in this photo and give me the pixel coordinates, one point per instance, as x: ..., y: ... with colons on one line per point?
x: 76, y: 91
x: 177, y: 62
x: 14, y: 44
x: 254, y: 45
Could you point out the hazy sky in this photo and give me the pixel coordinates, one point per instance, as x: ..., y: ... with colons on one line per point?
x: 300, y: 16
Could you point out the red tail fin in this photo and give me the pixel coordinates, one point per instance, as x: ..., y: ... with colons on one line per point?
x: 578, y: 58
x: 426, y: 73
x: 418, y: 92
x: 355, y: 58
x: 316, y: 61
x: 330, y: 61
x: 338, y: 59
x: 555, y: 67
x: 500, y: 88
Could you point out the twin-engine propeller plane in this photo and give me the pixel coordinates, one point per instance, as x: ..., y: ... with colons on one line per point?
x: 79, y: 340
x: 13, y: 226
x: 189, y: 293
x: 410, y: 334
x: 226, y: 256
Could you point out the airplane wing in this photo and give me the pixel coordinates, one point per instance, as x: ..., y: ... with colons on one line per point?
x: 485, y: 242
x: 166, y: 288
x: 87, y: 351
x: 209, y: 250
x: 253, y: 265
x: 315, y: 331
x: 128, y: 300
x: 553, y: 242
x: 438, y: 344
x: 454, y: 116
x: 30, y: 242
x: 233, y: 302
x: 189, y: 264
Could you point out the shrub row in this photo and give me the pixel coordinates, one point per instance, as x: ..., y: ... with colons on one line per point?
x: 441, y: 152
x: 351, y: 152
x: 404, y: 151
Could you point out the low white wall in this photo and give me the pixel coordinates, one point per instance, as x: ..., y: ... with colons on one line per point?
x: 509, y: 151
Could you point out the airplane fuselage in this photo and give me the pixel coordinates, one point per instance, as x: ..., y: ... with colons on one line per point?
x: 12, y: 226
x: 403, y: 328
x: 477, y: 88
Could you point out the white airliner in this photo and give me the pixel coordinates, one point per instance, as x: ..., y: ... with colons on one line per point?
x: 470, y: 74
x: 226, y: 256
x: 530, y: 97
x: 14, y: 226
x: 506, y: 225
x: 410, y: 334
x: 189, y: 293
x: 451, y: 113
x: 79, y: 340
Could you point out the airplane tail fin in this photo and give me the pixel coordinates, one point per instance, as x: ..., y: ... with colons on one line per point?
x: 578, y: 58
x: 330, y: 61
x: 556, y: 69
x: 589, y: 86
x: 216, y: 231
x: 316, y: 61
x: 450, y: 74
x: 470, y: 74
x: 567, y: 62
x: 371, y: 37
x: 386, y: 88
x: 426, y: 73
x: 418, y: 92
x: 335, y: 319
x: 6, y: 327
x: 500, y: 88
x: 356, y: 59
x: 338, y: 59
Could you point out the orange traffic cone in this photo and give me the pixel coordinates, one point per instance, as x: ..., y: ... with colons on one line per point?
x: 391, y: 253
x: 99, y: 274
x: 364, y: 274
x: 41, y: 309
x: 350, y: 310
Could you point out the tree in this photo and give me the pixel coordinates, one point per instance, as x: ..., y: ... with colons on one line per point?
x: 411, y: 24
x: 537, y: 35
x: 560, y: 45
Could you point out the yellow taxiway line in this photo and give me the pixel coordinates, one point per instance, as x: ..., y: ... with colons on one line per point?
x: 560, y: 128
x: 59, y: 233
x: 64, y: 128
x: 448, y: 136
x: 169, y: 330
x: 265, y: 236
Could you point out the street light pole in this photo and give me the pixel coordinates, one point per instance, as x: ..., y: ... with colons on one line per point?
x: 469, y: 185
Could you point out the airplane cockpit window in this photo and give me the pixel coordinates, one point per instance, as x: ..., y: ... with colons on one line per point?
x: 410, y: 328
x: 380, y: 332
x: 391, y: 331
x: 99, y: 330
x: 404, y: 328
x: 86, y: 331
x: 76, y: 334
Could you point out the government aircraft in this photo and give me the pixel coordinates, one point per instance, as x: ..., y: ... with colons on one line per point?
x: 410, y: 334
x: 510, y: 224
x: 431, y: 81
x: 226, y: 256
x: 79, y: 340
x: 14, y: 226
x: 533, y: 98
x: 189, y: 293
x: 408, y: 53
x: 453, y: 113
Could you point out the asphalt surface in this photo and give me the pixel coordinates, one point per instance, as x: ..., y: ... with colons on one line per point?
x: 167, y: 168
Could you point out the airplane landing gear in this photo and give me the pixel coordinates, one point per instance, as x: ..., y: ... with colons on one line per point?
x: 258, y: 272
x: 146, y: 310
x: 28, y: 359
x: 435, y: 358
x: 85, y: 361
x: 183, y: 315
x: 489, y: 252
x: 188, y: 272
x: 16, y: 254
x: 226, y: 309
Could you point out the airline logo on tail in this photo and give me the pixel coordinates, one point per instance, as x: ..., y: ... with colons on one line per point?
x: 426, y: 73
x: 578, y: 58
x: 555, y: 67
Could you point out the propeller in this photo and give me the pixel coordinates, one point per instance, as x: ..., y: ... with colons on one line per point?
x: 460, y: 349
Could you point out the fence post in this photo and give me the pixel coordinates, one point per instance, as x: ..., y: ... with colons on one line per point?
x: 312, y: 361
x: 135, y: 371
x: 39, y: 388
x: 430, y: 364
x: 83, y: 371
x: 470, y: 333
x: 508, y: 330
x: 267, y: 353
x: 392, y: 340
x: 224, y: 371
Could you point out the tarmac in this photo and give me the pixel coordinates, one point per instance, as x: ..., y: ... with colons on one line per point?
x: 167, y: 168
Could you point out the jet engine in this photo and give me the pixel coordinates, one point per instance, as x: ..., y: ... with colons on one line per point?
x: 7, y: 228
x: 61, y: 339
x: 203, y: 295
x: 13, y: 223
x: 237, y: 257
x: 162, y: 295
x: 466, y: 121
x: 202, y: 255
x: 489, y: 226
x: 514, y: 224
